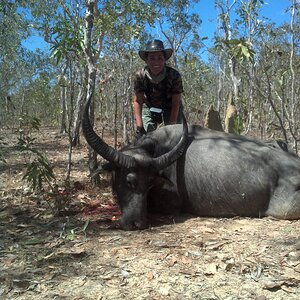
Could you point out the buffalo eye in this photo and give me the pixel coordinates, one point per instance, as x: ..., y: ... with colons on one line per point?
x: 131, y: 180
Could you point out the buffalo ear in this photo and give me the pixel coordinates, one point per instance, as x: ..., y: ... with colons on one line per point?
x: 161, y: 179
x: 102, y: 169
x: 132, y: 180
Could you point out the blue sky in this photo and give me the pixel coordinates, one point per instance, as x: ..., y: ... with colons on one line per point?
x: 272, y: 9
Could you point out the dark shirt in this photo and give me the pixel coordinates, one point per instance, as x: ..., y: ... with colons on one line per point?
x: 160, y: 94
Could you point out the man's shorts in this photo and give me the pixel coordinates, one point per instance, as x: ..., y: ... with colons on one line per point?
x: 151, y: 123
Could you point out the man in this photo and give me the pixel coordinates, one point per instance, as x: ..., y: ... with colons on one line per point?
x: 158, y: 90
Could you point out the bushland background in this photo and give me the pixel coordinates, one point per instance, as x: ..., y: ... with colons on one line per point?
x: 58, y: 235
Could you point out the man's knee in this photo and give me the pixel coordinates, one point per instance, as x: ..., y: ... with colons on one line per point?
x: 149, y: 127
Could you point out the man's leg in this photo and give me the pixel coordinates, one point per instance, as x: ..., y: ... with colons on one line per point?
x: 167, y: 114
x: 148, y: 123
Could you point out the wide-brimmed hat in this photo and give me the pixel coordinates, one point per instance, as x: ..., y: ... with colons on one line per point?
x: 155, y: 46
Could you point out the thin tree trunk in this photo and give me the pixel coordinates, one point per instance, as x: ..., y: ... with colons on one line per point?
x: 224, y: 18
x: 251, y: 77
x: 91, y: 59
x: 115, y: 121
x: 70, y: 120
x: 78, y: 108
x: 292, y: 92
x: 220, y: 96
x: 126, y: 110
x: 78, y: 115
x: 93, y: 162
x: 63, y: 107
x: 271, y: 102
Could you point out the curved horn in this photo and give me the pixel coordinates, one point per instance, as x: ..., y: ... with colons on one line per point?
x: 168, y: 158
x: 110, y: 154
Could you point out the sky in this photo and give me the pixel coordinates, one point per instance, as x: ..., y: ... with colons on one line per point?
x: 272, y: 9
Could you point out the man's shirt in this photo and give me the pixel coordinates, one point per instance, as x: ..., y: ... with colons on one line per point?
x: 158, y: 94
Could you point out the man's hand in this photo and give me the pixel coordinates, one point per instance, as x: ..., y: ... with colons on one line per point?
x: 140, y: 131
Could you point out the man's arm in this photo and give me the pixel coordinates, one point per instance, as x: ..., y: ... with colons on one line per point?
x: 138, y: 100
x: 176, y: 98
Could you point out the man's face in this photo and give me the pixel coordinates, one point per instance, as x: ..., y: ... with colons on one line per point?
x: 156, y: 62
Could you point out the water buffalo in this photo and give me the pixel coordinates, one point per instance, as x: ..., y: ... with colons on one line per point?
x: 200, y: 171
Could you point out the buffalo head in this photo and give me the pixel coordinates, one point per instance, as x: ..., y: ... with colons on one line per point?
x: 135, y: 169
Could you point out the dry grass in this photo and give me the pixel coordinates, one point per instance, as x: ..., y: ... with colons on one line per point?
x: 85, y: 256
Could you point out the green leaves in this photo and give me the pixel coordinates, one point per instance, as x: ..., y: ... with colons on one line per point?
x: 68, y: 40
x: 27, y: 126
x: 39, y: 172
x: 29, y: 123
x: 238, y: 125
x: 237, y: 48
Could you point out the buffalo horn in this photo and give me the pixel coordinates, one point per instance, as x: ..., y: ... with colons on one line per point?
x: 114, y: 156
x: 107, y: 152
x: 168, y: 158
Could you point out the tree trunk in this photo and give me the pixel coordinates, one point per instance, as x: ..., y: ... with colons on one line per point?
x: 78, y: 115
x: 126, y: 113
x: 115, y: 121
x: 93, y: 162
x: 83, y: 74
x: 63, y: 107
x: 293, y: 130
x: 91, y: 62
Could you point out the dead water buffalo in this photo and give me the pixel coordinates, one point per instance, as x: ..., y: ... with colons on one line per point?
x: 200, y: 171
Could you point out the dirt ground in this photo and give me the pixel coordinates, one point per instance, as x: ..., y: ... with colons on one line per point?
x: 84, y: 255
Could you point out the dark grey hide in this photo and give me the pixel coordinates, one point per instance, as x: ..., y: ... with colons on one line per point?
x: 213, y: 174
x: 278, y: 144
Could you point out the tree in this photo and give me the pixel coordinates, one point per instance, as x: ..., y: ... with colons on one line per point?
x: 101, y: 24
x: 13, y: 28
x: 294, y: 104
x: 265, y: 92
x: 249, y: 20
x: 177, y: 24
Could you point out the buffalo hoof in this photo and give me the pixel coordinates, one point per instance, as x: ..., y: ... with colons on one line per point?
x: 133, y: 225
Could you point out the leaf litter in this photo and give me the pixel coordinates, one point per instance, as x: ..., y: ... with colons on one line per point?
x: 84, y: 255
